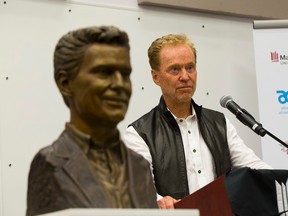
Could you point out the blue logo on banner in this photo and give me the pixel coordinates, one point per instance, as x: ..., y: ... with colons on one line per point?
x: 283, y: 96
x: 283, y: 100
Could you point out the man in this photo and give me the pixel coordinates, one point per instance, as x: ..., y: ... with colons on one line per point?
x: 187, y: 145
x: 88, y: 166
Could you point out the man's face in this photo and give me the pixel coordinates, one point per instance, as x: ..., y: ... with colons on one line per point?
x: 177, y: 74
x: 102, y: 88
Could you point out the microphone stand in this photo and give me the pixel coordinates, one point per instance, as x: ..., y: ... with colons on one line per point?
x: 276, y: 138
x: 262, y: 132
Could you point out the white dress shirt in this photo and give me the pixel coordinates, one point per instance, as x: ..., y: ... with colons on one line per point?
x: 199, y: 161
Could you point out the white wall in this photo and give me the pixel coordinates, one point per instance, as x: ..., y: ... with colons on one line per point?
x: 32, y: 113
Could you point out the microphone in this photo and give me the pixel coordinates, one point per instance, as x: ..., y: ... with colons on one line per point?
x: 242, y: 115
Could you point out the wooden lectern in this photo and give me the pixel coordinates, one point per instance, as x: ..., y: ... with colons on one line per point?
x: 244, y: 192
x: 210, y: 200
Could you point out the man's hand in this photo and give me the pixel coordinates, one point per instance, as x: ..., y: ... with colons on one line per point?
x: 167, y: 202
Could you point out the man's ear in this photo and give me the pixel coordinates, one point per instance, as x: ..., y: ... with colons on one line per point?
x: 63, y: 83
x: 155, y: 76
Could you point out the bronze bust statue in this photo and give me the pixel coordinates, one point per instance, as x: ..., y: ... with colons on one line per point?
x: 88, y: 166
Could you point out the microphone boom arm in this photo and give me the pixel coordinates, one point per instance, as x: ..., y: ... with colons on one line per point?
x: 262, y: 132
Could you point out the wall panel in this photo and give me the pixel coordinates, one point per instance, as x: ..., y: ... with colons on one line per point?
x: 32, y: 113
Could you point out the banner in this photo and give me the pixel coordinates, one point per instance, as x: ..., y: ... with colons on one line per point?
x: 271, y: 59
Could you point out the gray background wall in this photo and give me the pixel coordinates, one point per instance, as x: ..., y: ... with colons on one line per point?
x: 32, y: 113
x: 257, y: 9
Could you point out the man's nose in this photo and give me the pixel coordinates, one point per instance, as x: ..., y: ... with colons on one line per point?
x: 184, y: 74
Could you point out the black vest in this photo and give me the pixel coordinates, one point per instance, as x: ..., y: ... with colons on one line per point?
x: 160, y: 131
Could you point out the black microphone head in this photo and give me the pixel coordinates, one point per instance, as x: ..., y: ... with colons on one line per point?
x: 224, y: 100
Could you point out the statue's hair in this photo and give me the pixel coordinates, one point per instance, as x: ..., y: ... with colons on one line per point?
x: 70, y: 49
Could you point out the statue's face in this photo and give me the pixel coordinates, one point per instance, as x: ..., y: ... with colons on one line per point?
x: 102, y: 88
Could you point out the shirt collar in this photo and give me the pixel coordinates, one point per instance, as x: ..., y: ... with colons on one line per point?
x: 85, y: 140
x: 188, y: 117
